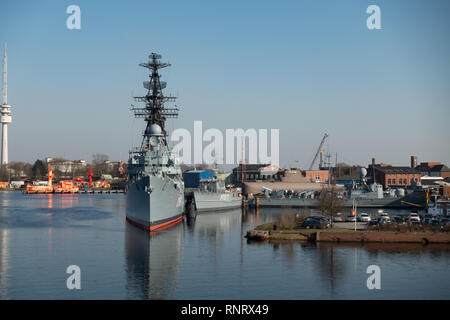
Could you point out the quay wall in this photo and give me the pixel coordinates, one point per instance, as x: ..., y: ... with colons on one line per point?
x: 347, y: 236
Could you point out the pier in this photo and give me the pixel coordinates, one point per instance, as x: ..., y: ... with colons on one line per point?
x: 86, y: 191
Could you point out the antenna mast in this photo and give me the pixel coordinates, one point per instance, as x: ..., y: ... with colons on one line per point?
x: 154, y: 111
x: 5, y: 111
x: 5, y: 77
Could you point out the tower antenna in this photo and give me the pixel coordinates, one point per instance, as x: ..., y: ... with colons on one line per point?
x: 5, y: 111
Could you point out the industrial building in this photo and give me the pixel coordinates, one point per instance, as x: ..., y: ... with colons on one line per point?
x: 390, y: 176
x: 65, y: 165
x: 255, y: 172
x: 394, y: 176
x: 434, y: 169
x: 316, y: 175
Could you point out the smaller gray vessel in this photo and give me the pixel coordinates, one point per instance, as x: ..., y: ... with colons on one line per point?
x: 209, y: 192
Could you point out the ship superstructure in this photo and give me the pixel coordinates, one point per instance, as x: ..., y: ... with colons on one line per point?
x: 155, y: 190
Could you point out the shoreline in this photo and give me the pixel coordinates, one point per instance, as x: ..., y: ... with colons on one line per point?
x: 339, y: 236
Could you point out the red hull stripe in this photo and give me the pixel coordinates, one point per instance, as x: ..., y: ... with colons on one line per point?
x: 156, y: 227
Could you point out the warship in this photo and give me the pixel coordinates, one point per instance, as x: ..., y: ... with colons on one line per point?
x: 154, y: 189
x: 209, y: 192
x: 365, y: 195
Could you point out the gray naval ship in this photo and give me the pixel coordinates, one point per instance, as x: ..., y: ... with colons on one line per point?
x: 210, y: 193
x: 154, y: 189
x: 365, y: 195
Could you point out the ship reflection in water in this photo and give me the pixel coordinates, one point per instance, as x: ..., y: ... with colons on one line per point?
x: 152, y: 261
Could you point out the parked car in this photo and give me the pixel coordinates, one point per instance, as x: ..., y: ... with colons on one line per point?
x: 364, y: 217
x: 384, y: 220
x: 313, y: 223
x: 350, y: 218
x: 398, y: 219
x: 373, y: 223
x: 427, y: 219
x: 435, y: 223
x: 444, y: 221
x: 414, y: 218
x: 326, y: 220
x: 338, y: 217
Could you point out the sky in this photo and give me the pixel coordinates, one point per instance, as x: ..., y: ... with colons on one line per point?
x: 303, y: 67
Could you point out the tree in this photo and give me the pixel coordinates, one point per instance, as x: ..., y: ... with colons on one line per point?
x: 99, y: 163
x: 39, y: 169
x: 330, y: 202
x: 4, y: 173
x: 17, y: 169
x: 27, y: 168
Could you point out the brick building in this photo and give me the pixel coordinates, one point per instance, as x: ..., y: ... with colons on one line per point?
x: 345, y: 174
x: 316, y: 175
x: 438, y: 170
x: 390, y: 176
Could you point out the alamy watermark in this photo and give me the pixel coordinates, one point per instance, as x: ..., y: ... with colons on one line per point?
x: 74, y: 280
x: 374, y: 281
x: 74, y: 20
x: 251, y: 144
x: 374, y: 20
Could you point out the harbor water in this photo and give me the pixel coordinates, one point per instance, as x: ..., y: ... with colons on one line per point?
x: 209, y: 258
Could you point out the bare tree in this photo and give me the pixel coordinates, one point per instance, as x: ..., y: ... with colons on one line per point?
x: 330, y: 202
x: 17, y: 169
x: 4, y: 173
x: 99, y: 163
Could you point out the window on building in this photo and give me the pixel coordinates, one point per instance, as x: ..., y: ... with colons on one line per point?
x: 399, y: 181
x: 404, y: 181
x: 393, y: 181
x: 389, y: 181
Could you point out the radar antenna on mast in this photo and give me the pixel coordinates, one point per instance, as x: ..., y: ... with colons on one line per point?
x: 154, y: 111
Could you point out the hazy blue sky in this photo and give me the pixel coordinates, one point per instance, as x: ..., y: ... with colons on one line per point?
x: 305, y: 67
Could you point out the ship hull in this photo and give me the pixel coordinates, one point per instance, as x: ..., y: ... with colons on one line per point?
x: 394, y: 202
x: 154, y: 210
x: 211, y: 201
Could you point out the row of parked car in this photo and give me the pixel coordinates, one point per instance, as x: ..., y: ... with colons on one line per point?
x: 321, y: 222
x: 412, y: 218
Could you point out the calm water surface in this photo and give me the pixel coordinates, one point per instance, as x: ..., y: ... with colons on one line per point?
x: 40, y: 235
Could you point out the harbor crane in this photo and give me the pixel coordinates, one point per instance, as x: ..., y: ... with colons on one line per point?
x: 325, y: 136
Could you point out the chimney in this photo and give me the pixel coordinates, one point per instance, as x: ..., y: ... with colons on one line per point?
x: 413, y: 161
x: 373, y: 161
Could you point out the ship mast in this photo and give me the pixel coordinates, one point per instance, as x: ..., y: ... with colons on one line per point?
x: 154, y: 111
